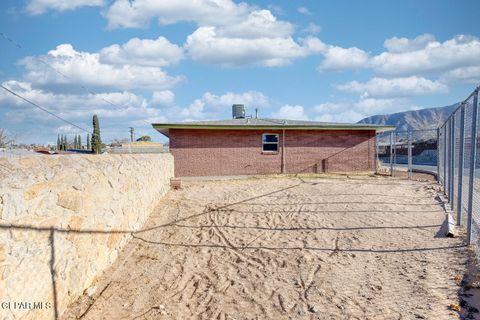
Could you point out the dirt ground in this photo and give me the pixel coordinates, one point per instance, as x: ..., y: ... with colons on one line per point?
x: 287, y: 248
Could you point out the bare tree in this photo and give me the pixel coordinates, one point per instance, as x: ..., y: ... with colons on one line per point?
x: 4, y: 139
x: 119, y: 142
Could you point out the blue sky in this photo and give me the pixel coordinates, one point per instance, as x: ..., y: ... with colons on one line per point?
x: 142, y: 61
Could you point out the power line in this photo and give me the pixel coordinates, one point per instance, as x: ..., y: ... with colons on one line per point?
x: 42, y: 108
x: 11, y: 40
x: 16, y: 44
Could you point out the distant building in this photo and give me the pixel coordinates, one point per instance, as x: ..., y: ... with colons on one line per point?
x: 137, y: 147
x: 244, y: 146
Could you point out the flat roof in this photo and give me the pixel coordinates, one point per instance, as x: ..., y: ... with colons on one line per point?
x: 268, y: 124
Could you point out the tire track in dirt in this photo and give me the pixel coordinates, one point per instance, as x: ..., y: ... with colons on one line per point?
x: 250, y: 250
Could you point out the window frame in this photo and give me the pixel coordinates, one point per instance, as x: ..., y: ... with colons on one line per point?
x: 271, y: 143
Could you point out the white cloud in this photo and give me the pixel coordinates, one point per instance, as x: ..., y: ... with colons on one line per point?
x: 164, y: 98
x: 395, y: 87
x: 68, y: 130
x: 228, y: 34
x: 41, y: 6
x: 398, y: 45
x: 337, y: 112
x: 304, y: 11
x: 313, y: 45
x: 195, y: 111
x: 143, y: 52
x: 329, y: 107
x: 346, y: 116
x: 205, y: 45
x: 371, y: 106
x: 73, y: 106
x: 457, y: 59
x: 290, y: 112
x: 258, y: 24
x: 429, y: 57
x: 249, y: 99
x: 139, y: 13
x: 212, y: 106
x: 402, y: 69
x: 124, y: 106
x: 312, y: 28
x: 469, y: 75
x: 337, y: 58
x: 116, y: 110
x: 259, y: 39
x: 84, y: 68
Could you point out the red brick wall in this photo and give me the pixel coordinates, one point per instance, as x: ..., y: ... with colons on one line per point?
x: 238, y: 152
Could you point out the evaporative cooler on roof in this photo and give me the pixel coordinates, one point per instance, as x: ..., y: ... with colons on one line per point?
x: 238, y: 111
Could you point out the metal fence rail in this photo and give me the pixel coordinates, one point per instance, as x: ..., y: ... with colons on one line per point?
x: 457, y: 166
x: 413, y: 150
x: 452, y: 152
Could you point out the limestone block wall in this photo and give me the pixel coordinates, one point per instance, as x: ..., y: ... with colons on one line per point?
x: 64, y: 219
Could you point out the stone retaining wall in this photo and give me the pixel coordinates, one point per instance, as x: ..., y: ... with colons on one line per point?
x: 63, y: 219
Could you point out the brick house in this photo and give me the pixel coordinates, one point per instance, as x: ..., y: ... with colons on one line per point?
x: 270, y: 146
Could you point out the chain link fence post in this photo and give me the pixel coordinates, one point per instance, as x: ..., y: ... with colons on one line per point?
x: 438, y: 155
x: 460, y: 165
x: 452, y: 162
x: 445, y: 157
x: 447, y: 161
x: 472, y: 167
x: 377, y: 151
x: 391, y: 154
x: 409, y: 153
x: 448, y: 185
x: 394, y: 154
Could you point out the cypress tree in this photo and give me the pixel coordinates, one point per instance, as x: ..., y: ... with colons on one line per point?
x: 79, y: 142
x: 58, y: 142
x: 89, y: 145
x: 75, y: 142
x: 96, y: 140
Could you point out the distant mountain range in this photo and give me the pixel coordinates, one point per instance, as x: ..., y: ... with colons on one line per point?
x: 414, y: 120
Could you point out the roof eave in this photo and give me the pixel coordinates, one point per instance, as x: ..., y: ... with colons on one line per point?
x: 164, y: 127
x: 163, y: 131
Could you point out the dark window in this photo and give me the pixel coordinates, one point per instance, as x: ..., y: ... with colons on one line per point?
x: 270, y: 142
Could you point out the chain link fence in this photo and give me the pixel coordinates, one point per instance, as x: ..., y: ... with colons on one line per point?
x: 458, y: 165
x: 451, y: 152
x: 409, y: 151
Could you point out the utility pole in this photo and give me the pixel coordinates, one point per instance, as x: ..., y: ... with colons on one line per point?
x: 132, y: 133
